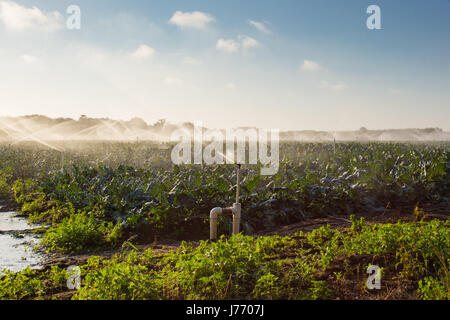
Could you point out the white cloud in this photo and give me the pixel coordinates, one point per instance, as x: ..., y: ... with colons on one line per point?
x: 309, y: 65
x: 191, y: 61
x: 230, y: 46
x: 334, y: 87
x: 28, y: 58
x: 231, y: 85
x: 143, y: 51
x: 172, y: 81
x: 260, y: 26
x: 16, y: 17
x: 248, y: 42
x: 196, y: 19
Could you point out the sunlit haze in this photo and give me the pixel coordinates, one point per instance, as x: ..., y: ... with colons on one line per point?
x: 291, y: 65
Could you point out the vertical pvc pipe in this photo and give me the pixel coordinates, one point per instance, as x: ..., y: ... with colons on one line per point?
x: 238, y: 183
x: 237, y: 205
x: 236, y: 217
x: 212, y: 229
x: 213, y: 217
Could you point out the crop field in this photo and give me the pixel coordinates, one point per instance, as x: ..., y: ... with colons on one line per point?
x: 137, y: 225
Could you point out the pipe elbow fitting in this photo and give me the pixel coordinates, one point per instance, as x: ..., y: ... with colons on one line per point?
x: 236, y: 209
x: 214, y: 214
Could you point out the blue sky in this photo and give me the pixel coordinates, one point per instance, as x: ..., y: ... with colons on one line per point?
x: 274, y: 64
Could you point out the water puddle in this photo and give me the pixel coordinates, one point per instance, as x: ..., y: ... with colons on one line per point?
x: 16, y: 246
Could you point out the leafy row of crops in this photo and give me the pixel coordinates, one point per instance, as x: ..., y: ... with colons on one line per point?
x: 91, y: 199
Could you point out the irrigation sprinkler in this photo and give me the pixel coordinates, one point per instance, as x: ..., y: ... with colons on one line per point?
x: 235, y: 211
x: 62, y: 161
x: 334, y: 145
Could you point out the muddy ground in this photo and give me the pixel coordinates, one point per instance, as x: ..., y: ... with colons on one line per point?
x: 404, y: 214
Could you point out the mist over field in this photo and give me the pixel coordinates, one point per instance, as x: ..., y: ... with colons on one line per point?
x: 42, y: 128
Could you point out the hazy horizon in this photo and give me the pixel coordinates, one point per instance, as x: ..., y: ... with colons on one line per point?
x: 43, y: 130
x: 179, y: 123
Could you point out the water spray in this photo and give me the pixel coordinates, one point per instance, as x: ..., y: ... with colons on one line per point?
x: 235, y: 211
x: 62, y: 161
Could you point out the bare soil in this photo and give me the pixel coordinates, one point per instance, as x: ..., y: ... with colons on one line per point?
x: 403, y: 214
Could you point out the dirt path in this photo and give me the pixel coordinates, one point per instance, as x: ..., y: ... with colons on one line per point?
x: 64, y: 261
x: 404, y: 214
